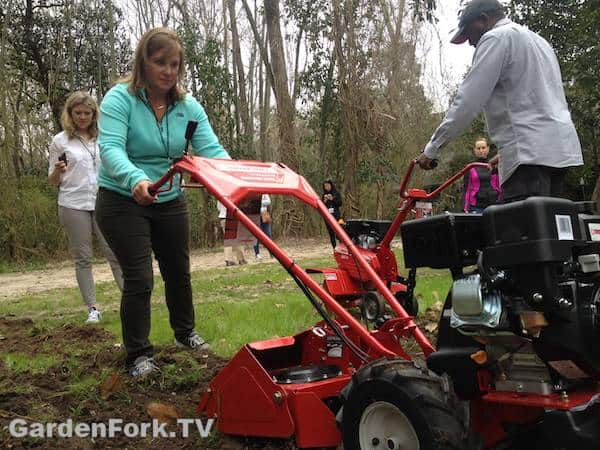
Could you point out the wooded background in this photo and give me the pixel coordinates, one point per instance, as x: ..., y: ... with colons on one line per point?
x: 330, y: 87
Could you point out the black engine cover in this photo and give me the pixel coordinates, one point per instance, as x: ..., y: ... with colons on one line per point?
x: 531, y: 231
x: 446, y: 241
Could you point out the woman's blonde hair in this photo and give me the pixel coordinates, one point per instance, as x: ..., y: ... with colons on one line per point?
x: 66, y: 118
x: 152, y: 41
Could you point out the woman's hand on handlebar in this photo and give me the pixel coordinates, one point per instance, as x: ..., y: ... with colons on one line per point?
x: 141, y: 194
x: 426, y: 163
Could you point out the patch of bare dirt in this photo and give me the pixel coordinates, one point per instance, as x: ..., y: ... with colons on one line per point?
x: 88, y: 352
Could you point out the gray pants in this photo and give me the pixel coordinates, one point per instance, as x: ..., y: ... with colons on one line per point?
x: 79, y: 226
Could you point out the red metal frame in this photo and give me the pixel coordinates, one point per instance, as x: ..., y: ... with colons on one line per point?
x: 247, y: 400
x: 244, y: 397
x: 351, y: 284
x: 494, y: 408
x: 230, y: 181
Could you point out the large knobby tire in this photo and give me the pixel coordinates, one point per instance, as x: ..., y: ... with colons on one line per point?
x: 401, y: 405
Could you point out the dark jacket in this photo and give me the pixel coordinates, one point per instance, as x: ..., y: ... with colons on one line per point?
x: 334, y: 204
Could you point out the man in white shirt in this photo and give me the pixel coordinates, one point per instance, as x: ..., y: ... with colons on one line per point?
x: 515, y: 80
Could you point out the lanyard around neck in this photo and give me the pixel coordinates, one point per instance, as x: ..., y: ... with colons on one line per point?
x: 87, y: 149
x: 166, y: 145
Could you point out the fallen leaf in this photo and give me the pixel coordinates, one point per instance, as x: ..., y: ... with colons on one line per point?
x: 162, y: 412
x: 437, y: 306
x: 111, y: 383
x: 431, y: 327
x: 230, y: 443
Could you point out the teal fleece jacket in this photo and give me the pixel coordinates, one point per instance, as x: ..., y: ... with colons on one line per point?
x: 135, y: 146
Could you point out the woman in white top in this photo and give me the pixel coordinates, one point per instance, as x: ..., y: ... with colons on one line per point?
x: 73, y: 162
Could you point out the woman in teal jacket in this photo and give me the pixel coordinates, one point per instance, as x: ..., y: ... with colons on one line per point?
x: 141, y: 130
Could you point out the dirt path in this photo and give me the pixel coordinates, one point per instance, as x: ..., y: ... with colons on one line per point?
x: 62, y: 275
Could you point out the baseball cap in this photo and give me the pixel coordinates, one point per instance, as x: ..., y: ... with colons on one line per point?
x: 471, y: 12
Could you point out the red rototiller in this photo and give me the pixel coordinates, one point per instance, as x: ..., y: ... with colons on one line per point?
x: 518, y: 351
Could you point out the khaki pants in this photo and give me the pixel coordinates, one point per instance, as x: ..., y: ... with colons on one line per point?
x: 80, y: 225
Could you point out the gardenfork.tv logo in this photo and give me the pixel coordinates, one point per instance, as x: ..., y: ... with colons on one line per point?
x: 20, y: 428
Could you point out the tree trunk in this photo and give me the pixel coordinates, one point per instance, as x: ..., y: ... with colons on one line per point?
x: 596, y: 194
x: 252, y: 70
x: 246, y: 131
x: 343, y: 28
x: 225, y: 36
x: 285, y: 108
x: 296, y: 89
x: 326, y: 105
x: 264, y: 104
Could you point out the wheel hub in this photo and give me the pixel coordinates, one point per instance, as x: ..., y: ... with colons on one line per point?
x: 383, y: 426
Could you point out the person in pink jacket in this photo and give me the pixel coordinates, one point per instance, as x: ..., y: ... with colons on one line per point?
x: 482, y: 186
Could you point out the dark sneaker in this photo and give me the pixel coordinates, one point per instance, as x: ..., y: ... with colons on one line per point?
x: 142, y: 366
x: 193, y: 341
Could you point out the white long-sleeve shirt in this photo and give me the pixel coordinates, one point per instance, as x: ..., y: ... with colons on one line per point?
x: 515, y: 80
x: 78, y: 185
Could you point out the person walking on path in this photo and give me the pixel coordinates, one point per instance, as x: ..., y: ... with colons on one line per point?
x: 266, y: 222
x: 333, y: 201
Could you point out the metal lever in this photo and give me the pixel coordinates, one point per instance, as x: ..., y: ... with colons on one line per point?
x: 189, y: 132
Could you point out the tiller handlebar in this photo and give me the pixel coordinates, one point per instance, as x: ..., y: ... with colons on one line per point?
x: 231, y: 181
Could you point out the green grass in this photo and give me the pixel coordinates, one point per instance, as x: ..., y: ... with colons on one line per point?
x: 27, y: 363
x: 233, y: 306
x: 83, y: 388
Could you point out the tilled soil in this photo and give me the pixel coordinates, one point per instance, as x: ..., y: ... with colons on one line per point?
x: 52, y: 397
x: 92, y: 353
